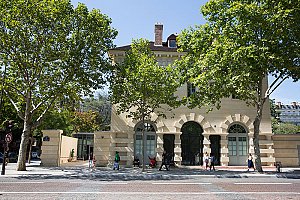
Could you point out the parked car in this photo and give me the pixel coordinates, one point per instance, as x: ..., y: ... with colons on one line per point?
x: 13, y: 157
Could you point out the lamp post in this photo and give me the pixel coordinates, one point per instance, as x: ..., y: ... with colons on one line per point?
x: 8, y: 139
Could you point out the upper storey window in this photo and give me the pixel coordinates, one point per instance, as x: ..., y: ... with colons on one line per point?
x: 172, y: 41
x: 172, y: 44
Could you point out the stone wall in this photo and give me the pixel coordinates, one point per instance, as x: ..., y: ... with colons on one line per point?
x: 287, y: 149
x: 56, y: 148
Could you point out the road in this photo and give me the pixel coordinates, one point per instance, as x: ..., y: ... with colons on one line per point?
x: 199, y: 188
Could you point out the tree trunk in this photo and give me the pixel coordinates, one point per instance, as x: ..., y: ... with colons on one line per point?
x: 256, y: 124
x: 259, y: 109
x: 30, y: 149
x: 143, y: 147
x: 21, y: 165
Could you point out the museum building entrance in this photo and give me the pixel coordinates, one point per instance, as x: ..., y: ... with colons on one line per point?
x: 191, y: 143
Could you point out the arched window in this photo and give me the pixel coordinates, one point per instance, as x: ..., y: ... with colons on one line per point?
x: 236, y: 128
x: 149, y: 138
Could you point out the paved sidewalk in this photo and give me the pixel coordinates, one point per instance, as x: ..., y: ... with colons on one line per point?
x: 80, y: 170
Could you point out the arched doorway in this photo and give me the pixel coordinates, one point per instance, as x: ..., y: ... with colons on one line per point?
x: 191, y: 143
x: 169, y: 145
x: 149, y: 138
x: 237, y: 144
x: 215, y: 146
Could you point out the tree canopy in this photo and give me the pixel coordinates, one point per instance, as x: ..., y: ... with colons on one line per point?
x: 50, y: 51
x: 140, y: 87
x: 240, y: 45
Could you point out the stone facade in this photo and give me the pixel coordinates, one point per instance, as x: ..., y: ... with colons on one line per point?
x: 56, y: 148
x: 287, y: 149
x: 186, y: 133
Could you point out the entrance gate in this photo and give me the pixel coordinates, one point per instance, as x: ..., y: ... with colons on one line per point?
x: 191, y: 143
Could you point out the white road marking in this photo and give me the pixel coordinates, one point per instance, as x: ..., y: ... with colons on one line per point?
x: 262, y: 183
x: 157, y: 193
x: 32, y: 182
x: 102, y: 183
x: 178, y: 183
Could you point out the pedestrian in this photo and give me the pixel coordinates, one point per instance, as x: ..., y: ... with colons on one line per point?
x: 117, y: 160
x: 250, y: 162
x: 205, y: 160
x: 90, y: 160
x: 212, y: 162
x: 94, y: 162
x: 164, y: 161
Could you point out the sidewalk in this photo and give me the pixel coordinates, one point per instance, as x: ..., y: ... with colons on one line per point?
x: 80, y: 170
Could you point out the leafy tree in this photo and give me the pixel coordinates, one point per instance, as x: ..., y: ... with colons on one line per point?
x: 58, y: 119
x: 240, y: 45
x: 51, y: 51
x: 139, y: 86
x: 274, y: 113
x: 284, y: 128
x: 89, y: 121
x: 101, y: 104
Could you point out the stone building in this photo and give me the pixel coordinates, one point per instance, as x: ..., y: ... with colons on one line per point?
x: 186, y: 133
x: 289, y: 113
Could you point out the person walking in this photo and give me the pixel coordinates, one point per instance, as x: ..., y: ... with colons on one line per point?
x: 94, y: 162
x: 250, y: 162
x: 117, y: 160
x: 164, y: 161
x: 205, y: 160
x: 90, y: 160
x: 212, y: 162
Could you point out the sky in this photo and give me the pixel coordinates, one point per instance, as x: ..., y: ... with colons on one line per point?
x: 134, y: 19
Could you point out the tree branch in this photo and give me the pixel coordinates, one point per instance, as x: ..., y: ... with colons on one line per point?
x: 15, y: 105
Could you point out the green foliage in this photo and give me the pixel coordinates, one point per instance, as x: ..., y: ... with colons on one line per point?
x: 51, y: 51
x: 284, y: 128
x: 61, y: 120
x: 139, y: 86
x: 101, y: 104
x: 86, y: 121
x: 240, y: 45
x: 242, y: 42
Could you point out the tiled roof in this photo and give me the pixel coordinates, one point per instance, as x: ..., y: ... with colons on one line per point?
x: 164, y: 47
x: 290, y: 107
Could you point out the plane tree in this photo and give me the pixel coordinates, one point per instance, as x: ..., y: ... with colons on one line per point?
x: 140, y: 87
x: 240, y: 45
x: 50, y: 51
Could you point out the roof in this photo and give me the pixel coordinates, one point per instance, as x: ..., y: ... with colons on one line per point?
x: 164, y: 47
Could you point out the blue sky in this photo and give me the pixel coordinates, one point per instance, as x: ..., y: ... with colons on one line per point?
x: 136, y: 18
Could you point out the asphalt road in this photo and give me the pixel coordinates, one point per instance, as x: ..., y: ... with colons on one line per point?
x: 199, y: 188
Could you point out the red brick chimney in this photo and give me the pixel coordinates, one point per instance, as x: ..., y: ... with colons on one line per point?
x: 158, y: 34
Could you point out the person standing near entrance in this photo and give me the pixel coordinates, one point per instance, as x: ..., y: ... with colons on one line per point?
x: 250, y: 162
x: 164, y: 161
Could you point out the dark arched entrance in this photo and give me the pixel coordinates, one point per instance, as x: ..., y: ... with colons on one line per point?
x: 191, y: 143
x: 215, y: 147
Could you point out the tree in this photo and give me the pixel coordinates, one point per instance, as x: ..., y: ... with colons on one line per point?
x: 89, y: 121
x: 240, y: 45
x: 140, y: 87
x: 101, y: 104
x: 284, y: 128
x: 51, y: 51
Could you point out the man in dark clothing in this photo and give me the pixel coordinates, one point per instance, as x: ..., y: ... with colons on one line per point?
x: 212, y: 162
x: 165, y: 161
